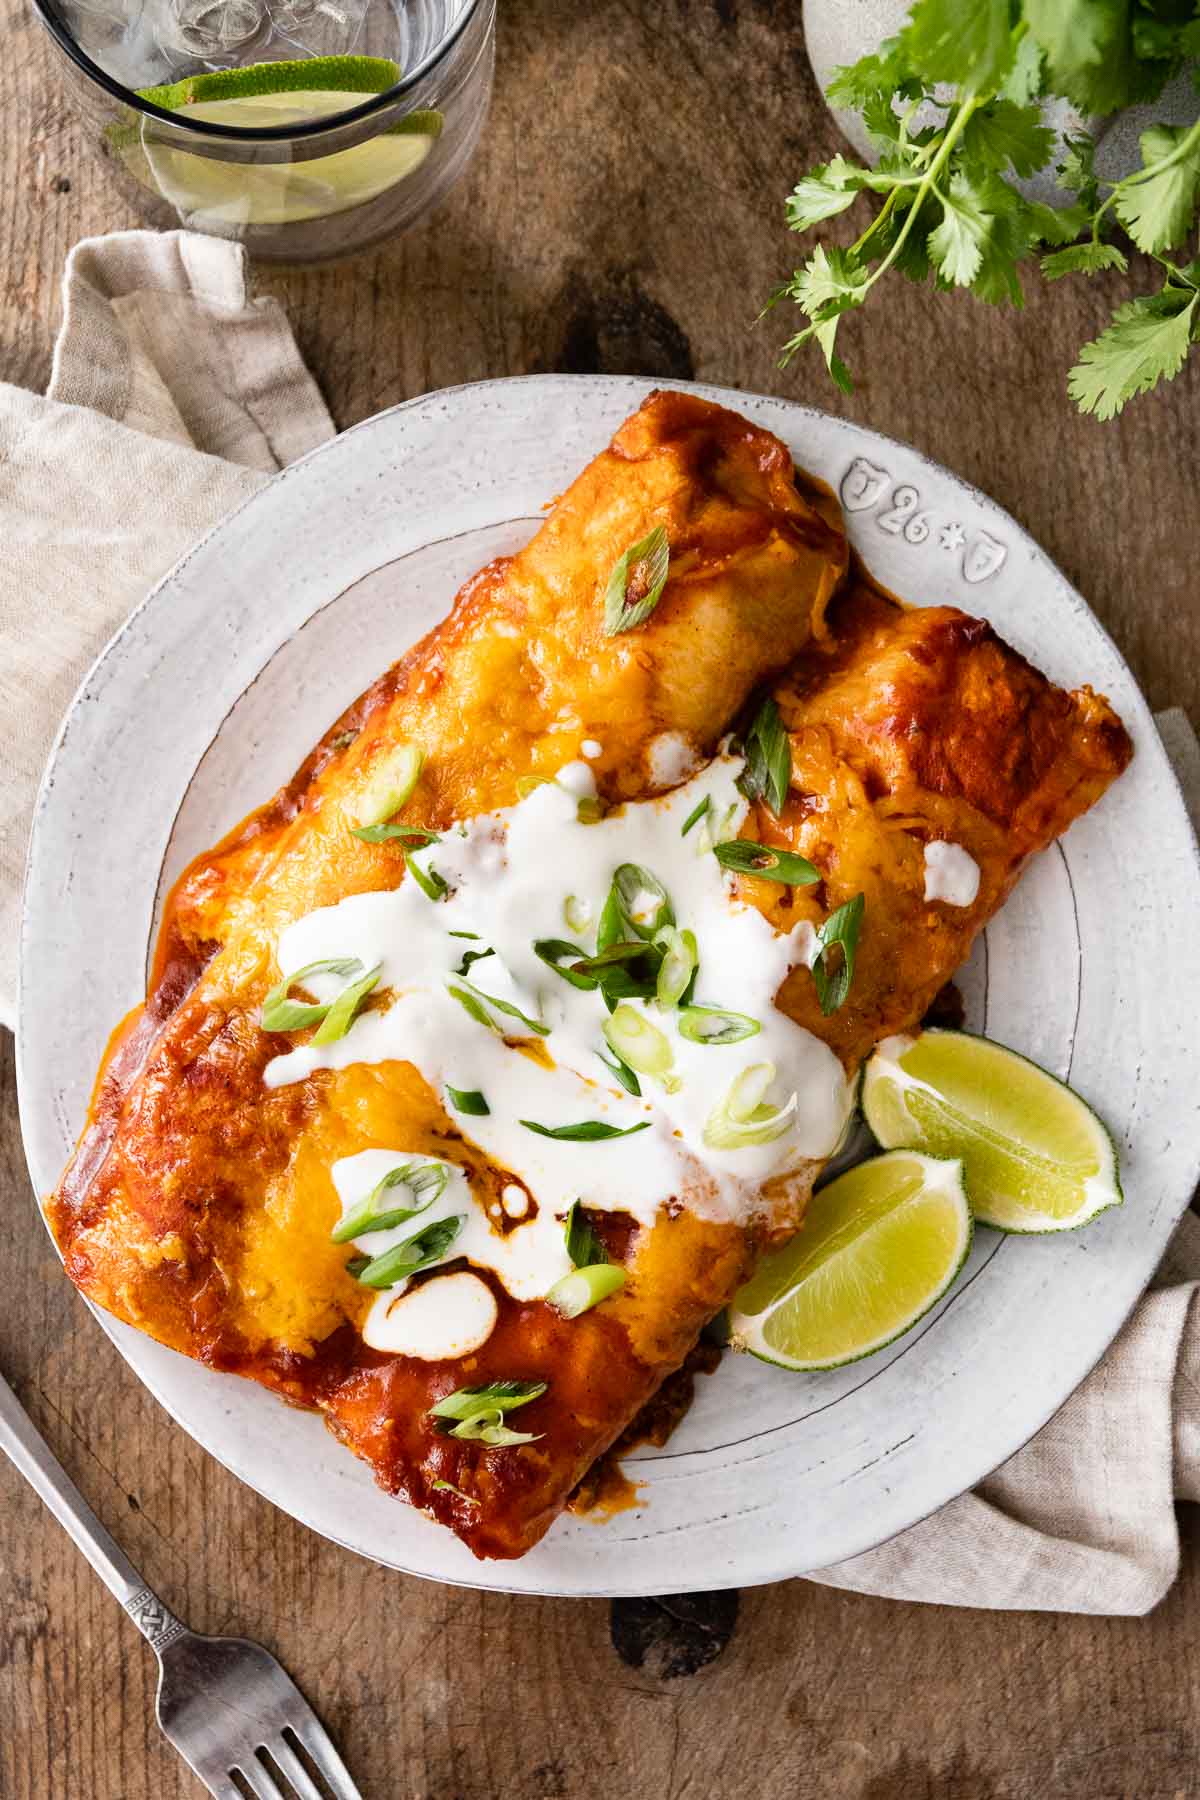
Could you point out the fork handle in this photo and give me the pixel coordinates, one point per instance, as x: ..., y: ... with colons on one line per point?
x: 27, y: 1448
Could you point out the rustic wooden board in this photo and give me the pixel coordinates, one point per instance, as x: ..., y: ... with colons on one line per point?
x: 625, y: 214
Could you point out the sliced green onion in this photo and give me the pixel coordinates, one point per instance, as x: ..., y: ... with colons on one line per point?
x: 643, y: 900
x: 480, y: 1411
x: 472, y: 956
x: 577, y: 913
x: 464, y: 934
x: 745, y: 857
x: 716, y: 1025
x: 697, y: 813
x: 476, y: 1002
x: 448, y: 1487
x: 584, y: 1288
x: 743, y: 1117
x: 344, y: 1011
x: 555, y: 951
x: 680, y: 961
x: 491, y: 1429
x: 417, y: 1252
x: 637, y: 1042
x: 369, y: 1215
x: 528, y: 784
x: 415, y: 836
x: 841, y: 927
x: 588, y: 1131
x: 497, y: 1396
x: 609, y: 958
x: 623, y: 1073
x: 391, y: 783
x: 428, y: 880
x: 767, y: 775
x: 583, y: 1246
x: 280, y: 1013
x: 716, y: 830
x: 637, y: 581
x: 468, y: 1100
x: 590, y: 810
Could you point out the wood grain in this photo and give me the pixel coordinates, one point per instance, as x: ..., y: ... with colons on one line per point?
x: 624, y: 214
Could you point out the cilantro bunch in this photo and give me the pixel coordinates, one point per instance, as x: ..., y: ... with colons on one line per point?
x: 948, y: 208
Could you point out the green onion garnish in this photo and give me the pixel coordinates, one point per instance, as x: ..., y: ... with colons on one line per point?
x: 464, y: 934
x: 743, y: 1117
x: 420, y: 1179
x: 344, y: 1011
x: 745, y: 857
x: 428, y: 880
x: 480, y: 1411
x: 588, y: 1131
x: 472, y: 956
x: 768, y: 771
x: 715, y: 1025
x: 417, y: 1252
x: 577, y: 913
x: 639, y: 1043
x: 841, y: 927
x: 555, y: 951
x: 636, y: 583
x: 415, y: 836
x: 584, y: 1288
x: 590, y: 810
x: 679, y: 964
x: 280, y: 1013
x: 642, y: 902
x: 697, y: 813
x: 448, y: 1487
x: 468, y: 1100
x: 391, y: 783
x: 623, y: 1073
x: 476, y: 1002
x: 583, y: 1246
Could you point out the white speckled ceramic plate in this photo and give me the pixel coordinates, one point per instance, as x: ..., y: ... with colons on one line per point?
x: 214, y: 692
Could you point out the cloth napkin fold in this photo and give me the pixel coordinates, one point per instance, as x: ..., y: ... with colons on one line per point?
x: 174, y: 396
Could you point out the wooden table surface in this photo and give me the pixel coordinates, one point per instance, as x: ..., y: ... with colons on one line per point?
x: 624, y: 214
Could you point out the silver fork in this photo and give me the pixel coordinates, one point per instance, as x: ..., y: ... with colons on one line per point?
x: 233, y: 1713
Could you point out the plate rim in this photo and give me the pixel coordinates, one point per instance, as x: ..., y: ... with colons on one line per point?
x: 636, y: 387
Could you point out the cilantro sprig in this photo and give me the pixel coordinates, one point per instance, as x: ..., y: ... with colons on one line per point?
x: 952, y: 106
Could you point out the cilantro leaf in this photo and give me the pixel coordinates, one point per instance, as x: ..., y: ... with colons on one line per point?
x: 1146, y: 343
x: 1023, y: 82
x: 956, y: 245
x: 824, y: 192
x: 1056, y: 224
x: 1090, y: 55
x: 962, y: 41
x: 1157, y: 205
x: 1003, y: 133
x: 1083, y: 259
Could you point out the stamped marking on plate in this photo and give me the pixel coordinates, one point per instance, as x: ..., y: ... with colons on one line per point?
x: 864, y: 486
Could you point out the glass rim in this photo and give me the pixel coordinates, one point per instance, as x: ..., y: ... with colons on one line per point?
x: 247, y: 134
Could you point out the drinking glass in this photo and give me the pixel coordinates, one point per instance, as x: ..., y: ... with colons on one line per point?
x: 306, y: 129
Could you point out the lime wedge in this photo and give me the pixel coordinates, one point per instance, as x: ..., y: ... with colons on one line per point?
x: 1035, y: 1156
x: 213, y: 194
x: 880, y: 1246
x: 351, y: 76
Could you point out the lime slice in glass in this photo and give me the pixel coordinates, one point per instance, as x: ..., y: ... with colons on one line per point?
x: 1035, y: 1156
x: 879, y: 1247
x: 213, y: 193
x: 352, y: 78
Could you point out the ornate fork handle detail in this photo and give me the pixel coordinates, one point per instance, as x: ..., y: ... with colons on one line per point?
x: 156, y: 1622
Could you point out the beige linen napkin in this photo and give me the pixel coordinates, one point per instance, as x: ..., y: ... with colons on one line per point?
x: 174, y: 396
